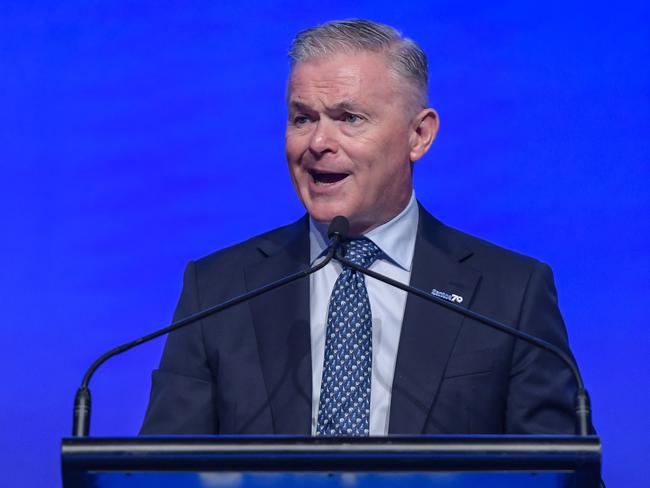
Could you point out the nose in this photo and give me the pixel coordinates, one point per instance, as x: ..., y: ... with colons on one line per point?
x: 323, y: 138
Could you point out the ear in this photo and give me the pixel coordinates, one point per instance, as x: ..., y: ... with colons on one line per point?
x: 423, y: 132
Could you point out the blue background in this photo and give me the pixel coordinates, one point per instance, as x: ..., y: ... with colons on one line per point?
x: 135, y: 136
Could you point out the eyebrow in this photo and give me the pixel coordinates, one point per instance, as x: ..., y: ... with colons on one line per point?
x: 302, y: 107
x: 349, y: 106
x: 345, y: 105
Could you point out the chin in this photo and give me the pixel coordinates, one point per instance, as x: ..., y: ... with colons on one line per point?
x: 325, y: 213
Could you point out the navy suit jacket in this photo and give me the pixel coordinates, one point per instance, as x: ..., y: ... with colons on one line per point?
x: 248, y: 369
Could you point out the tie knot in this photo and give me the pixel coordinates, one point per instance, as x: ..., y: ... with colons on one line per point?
x: 362, y: 252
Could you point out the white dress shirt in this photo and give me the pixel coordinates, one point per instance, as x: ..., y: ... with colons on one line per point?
x: 396, y: 239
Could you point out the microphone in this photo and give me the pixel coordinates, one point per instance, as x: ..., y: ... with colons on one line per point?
x: 338, y: 229
x: 582, y: 403
x: 337, y: 233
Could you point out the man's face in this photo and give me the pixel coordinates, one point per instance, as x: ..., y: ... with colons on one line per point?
x: 348, y: 139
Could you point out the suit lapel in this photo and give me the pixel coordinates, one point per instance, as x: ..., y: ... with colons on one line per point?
x: 429, y: 331
x: 281, y: 322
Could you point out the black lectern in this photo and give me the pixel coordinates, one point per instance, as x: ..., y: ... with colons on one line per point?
x: 241, y: 461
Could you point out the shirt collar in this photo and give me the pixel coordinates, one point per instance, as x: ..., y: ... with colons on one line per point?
x: 396, y: 238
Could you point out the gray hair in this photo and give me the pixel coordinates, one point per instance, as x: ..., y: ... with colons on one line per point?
x: 405, y: 58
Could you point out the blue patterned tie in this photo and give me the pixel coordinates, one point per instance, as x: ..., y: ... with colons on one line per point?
x: 344, y: 408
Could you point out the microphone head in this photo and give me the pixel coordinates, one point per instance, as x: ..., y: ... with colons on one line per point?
x: 339, y: 226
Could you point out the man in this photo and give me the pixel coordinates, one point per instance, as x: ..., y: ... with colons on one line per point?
x: 337, y: 354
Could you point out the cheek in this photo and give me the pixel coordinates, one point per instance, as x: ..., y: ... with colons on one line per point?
x: 290, y: 151
x: 293, y: 161
x: 293, y: 147
x: 383, y: 170
x: 376, y: 156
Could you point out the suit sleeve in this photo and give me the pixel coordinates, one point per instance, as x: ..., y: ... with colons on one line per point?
x: 182, y: 389
x: 542, y: 389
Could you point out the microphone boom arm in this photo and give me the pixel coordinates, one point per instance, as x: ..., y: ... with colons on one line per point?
x: 81, y: 413
x: 582, y: 403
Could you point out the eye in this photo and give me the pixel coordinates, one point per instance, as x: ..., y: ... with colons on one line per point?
x: 352, y: 118
x: 299, y: 120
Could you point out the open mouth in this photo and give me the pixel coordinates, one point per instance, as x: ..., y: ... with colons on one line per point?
x: 327, y: 178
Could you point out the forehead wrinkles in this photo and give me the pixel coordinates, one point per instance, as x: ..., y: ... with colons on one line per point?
x: 323, y: 85
x: 327, y: 84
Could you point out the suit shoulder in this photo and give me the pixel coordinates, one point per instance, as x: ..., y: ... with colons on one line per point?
x: 489, y: 250
x: 253, y: 248
x: 507, y: 278
x: 480, y: 253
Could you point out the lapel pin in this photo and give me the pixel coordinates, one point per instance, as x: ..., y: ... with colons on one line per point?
x: 450, y: 297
